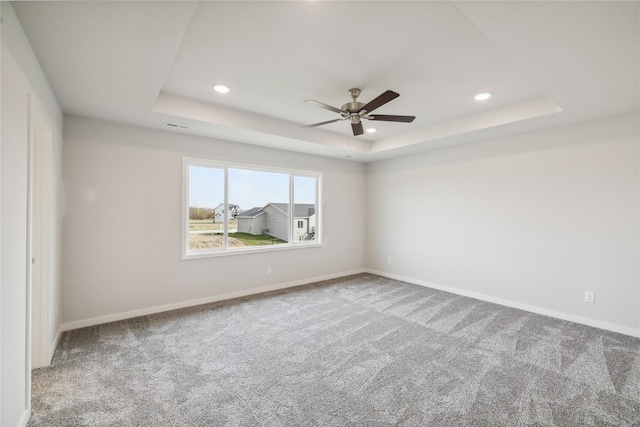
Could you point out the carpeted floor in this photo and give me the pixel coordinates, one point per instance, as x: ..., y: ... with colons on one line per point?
x: 361, y: 350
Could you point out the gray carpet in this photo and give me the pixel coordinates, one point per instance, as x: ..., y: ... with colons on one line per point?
x: 361, y: 350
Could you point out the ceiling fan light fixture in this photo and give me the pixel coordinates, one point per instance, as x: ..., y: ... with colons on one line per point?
x: 483, y: 96
x: 220, y: 88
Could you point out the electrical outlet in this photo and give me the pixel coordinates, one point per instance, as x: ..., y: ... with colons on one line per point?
x: 590, y: 297
x: 389, y: 261
x: 268, y: 270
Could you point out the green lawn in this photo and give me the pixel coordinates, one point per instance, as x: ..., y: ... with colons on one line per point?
x: 246, y: 238
x: 256, y: 240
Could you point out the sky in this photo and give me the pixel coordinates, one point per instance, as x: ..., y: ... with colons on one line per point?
x: 247, y: 188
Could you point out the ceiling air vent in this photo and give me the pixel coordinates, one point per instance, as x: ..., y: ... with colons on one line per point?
x: 173, y: 125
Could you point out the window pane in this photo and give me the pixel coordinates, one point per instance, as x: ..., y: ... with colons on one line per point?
x: 263, y: 208
x: 206, y: 196
x: 304, y: 199
x: 231, y: 208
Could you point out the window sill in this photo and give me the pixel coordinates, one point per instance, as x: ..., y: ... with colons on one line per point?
x: 247, y: 251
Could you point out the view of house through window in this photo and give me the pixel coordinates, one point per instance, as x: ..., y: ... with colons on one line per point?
x: 233, y: 208
x: 304, y: 197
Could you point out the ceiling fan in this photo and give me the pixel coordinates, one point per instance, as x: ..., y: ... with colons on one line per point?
x: 355, y: 111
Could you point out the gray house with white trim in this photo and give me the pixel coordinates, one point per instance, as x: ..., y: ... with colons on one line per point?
x: 273, y: 219
x: 251, y: 221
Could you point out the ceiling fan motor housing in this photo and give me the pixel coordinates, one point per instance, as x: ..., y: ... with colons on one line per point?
x: 353, y: 107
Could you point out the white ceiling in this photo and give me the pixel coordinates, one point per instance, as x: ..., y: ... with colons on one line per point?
x: 148, y: 63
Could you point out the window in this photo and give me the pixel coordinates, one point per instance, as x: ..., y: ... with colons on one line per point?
x: 232, y: 208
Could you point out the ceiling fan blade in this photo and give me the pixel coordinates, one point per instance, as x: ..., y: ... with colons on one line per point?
x: 325, y: 106
x: 380, y: 101
x: 357, y: 128
x: 387, y: 118
x: 324, y: 123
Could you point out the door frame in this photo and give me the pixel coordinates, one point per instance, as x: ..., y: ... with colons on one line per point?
x: 39, y: 238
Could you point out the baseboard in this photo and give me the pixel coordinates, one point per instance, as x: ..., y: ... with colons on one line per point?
x: 52, y: 350
x: 531, y: 308
x: 190, y: 303
x: 25, y: 418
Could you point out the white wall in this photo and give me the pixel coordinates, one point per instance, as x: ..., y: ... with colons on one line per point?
x: 122, y: 222
x: 21, y: 76
x: 533, y: 220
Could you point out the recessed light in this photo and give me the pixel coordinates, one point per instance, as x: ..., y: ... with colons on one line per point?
x: 483, y: 96
x: 372, y: 130
x: 220, y: 88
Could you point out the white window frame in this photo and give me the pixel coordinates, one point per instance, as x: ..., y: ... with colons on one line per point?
x: 224, y: 250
